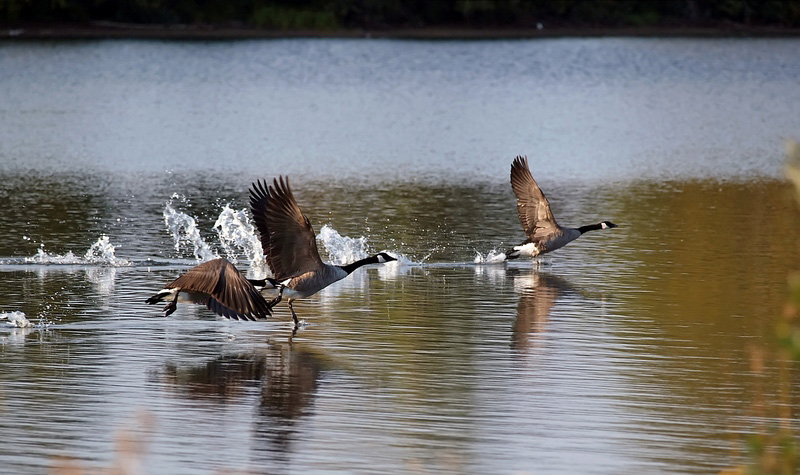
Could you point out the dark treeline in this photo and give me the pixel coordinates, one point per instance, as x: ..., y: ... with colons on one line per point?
x: 385, y: 14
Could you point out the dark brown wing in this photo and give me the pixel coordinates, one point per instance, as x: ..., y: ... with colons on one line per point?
x: 259, y: 197
x: 287, y: 238
x: 532, y: 206
x: 229, y: 293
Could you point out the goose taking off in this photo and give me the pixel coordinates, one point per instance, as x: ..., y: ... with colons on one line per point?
x: 290, y: 245
x: 544, y: 233
x: 218, y: 285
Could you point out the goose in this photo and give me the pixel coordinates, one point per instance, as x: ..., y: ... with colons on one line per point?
x: 290, y: 246
x: 544, y: 233
x: 218, y: 285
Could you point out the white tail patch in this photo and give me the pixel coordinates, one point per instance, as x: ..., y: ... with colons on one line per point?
x: 527, y: 250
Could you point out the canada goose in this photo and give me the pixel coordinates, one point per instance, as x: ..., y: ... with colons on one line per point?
x: 544, y: 233
x: 219, y: 286
x: 290, y: 245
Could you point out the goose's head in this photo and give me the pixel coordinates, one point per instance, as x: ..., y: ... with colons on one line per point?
x: 607, y: 225
x: 383, y: 257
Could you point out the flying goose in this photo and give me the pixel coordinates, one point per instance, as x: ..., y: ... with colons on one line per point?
x: 218, y: 285
x: 544, y: 233
x: 290, y: 245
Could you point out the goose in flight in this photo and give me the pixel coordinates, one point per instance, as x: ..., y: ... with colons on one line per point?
x: 290, y: 246
x: 218, y: 285
x: 544, y: 233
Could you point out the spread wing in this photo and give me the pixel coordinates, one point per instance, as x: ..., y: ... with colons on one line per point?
x: 532, y: 206
x: 229, y: 293
x: 287, y: 238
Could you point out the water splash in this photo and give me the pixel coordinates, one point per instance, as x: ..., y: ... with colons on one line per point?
x: 44, y: 257
x: 16, y: 319
x: 101, y: 252
x: 342, y: 249
x: 184, y: 231
x: 491, y: 257
x: 237, y: 236
x: 394, y: 269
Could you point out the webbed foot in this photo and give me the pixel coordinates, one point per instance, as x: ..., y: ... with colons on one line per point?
x: 169, y: 308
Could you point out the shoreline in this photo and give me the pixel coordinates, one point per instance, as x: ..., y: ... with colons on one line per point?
x: 109, y: 30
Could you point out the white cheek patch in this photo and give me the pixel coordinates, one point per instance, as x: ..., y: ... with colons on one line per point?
x: 381, y: 260
x: 603, y: 226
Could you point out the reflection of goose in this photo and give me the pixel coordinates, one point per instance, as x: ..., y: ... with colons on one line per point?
x: 219, y: 286
x: 544, y: 233
x: 290, y: 245
x: 535, y: 304
x: 288, y: 376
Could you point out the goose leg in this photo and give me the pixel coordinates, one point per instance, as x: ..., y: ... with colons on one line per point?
x: 277, y: 299
x: 294, y: 315
x: 172, y: 306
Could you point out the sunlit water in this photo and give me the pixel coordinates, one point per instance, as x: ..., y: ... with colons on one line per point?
x: 123, y: 163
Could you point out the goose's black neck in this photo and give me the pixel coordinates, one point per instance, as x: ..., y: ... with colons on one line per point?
x: 349, y: 268
x: 590, y: 227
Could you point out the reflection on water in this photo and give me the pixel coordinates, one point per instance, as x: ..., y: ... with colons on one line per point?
x: 626, y: 352
x: 283, y: 377
x: 444, y: 364
x: 539, y: 292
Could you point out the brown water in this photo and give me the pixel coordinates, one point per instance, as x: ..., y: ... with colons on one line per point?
x: 632, y: 350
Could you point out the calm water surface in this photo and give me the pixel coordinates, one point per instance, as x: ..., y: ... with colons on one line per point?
x: 629, y: 351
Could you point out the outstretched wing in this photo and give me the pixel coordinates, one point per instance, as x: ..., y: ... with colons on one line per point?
x: 532, y: 206
x: 287, y: 238
x: 229, y: 293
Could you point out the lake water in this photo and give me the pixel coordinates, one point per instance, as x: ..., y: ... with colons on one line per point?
x: 648, y: 348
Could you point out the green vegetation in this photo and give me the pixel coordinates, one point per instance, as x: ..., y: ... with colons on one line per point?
x: 383, y: 14
x: 775, y: 449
